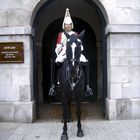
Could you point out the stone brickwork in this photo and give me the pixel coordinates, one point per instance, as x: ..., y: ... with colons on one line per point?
x: 16, y: 97
x: 124, y: 74
x: 123, y: 58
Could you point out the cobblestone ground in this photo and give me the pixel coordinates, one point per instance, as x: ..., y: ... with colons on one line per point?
x: 49, y: 127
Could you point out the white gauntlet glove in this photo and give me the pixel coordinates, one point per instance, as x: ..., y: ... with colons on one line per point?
x: 58, y: 49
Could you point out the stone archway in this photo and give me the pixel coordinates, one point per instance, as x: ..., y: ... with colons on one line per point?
x: 97, y: 21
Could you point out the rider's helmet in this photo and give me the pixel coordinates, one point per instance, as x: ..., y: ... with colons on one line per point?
x: 67, y: 19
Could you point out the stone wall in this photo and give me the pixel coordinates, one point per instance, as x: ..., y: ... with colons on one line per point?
x: 124, y: 76
x: 123, y: 44
x: 16, y: 80
x: 16, y: 99
x: 123, y: 51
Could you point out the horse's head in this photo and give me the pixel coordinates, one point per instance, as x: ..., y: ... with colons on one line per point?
x: 73, y: 53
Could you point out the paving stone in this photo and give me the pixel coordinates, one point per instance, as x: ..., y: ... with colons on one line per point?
x: 49, y: 126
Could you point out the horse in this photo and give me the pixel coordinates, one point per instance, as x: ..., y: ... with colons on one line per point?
x: 71, y: 82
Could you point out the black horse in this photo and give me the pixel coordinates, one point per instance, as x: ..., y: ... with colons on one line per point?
x: 71, y: 82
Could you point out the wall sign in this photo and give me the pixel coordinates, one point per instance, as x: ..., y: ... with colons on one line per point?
x: 11, y: 52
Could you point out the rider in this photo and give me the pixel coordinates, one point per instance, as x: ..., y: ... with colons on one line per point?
x: 60, y: 51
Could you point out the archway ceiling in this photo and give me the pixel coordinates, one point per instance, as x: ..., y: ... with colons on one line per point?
x: 78, y: 8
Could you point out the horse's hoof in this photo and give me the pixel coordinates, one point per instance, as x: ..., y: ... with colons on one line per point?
x: 64, y: 137
x: 80, y: 133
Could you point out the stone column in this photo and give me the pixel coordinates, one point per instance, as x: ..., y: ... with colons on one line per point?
x: 16, y: 80
x: 123, y: 100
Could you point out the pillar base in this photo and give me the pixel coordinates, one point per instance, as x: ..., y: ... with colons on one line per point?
x: 17, y: 112
x: 122, y: 109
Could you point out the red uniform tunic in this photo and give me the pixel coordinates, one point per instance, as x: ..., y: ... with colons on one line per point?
x: 60, y: 49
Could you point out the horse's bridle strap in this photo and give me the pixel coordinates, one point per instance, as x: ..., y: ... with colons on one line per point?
x: 75, y: 60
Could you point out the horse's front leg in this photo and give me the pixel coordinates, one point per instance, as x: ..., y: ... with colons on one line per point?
x: 64, y: 135
x: 69, y: 119
x: 78, y: 112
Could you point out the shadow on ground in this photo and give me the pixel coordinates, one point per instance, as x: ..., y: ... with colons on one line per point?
x: 50, y: 112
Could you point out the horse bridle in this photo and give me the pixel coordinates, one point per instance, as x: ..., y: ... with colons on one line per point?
x: 74, y: 60
x: 71, y: 80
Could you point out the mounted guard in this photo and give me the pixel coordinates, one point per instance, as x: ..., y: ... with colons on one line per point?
x: 60, y: 51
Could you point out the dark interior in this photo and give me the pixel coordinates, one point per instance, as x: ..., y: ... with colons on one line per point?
x: 48, y: 55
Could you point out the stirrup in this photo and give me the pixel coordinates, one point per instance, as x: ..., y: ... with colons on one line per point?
x: 52, y: 91
x: 89, y: 91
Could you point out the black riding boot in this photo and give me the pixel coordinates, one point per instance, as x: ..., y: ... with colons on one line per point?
x: 52, y: 91
x: 88, y: 91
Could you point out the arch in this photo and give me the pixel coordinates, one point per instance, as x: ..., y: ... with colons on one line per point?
x: 95, y: 3
x: 96, y: 7
x: 100, y: 9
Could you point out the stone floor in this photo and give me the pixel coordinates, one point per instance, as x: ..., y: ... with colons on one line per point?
x: 49, y: 126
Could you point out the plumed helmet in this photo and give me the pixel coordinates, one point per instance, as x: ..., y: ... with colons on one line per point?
x: 67, y: 19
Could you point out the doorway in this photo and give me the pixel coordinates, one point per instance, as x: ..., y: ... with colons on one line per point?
x: 47, y: 24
